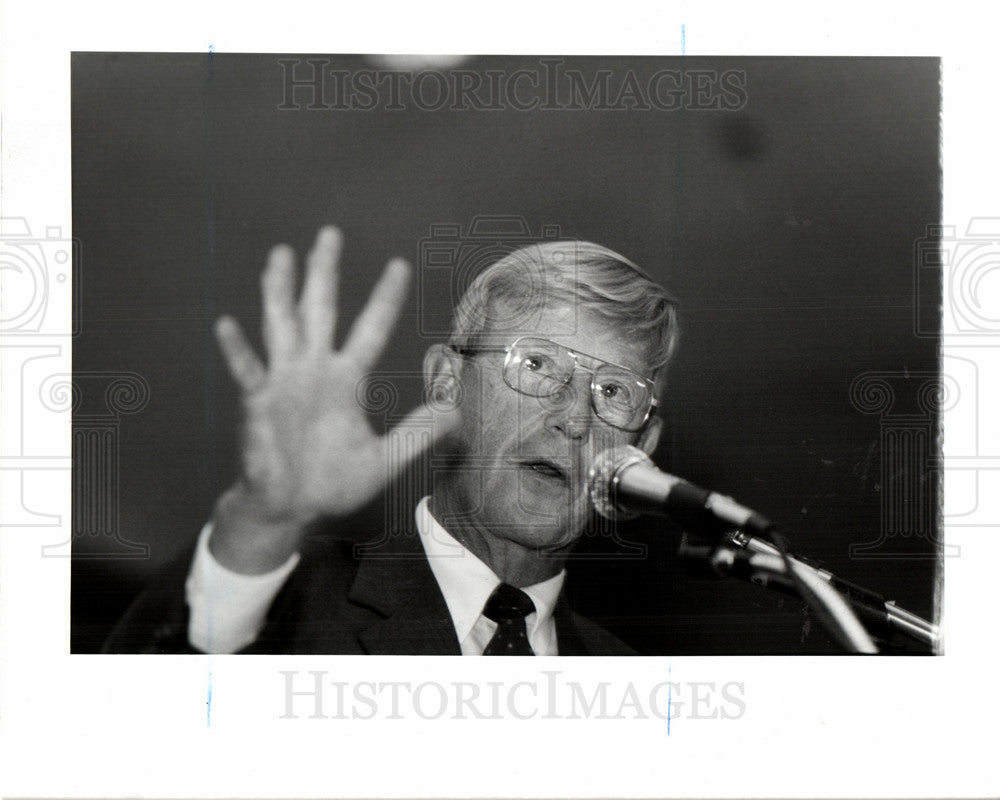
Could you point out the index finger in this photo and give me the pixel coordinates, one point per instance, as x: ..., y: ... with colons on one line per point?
x: 373, y: 326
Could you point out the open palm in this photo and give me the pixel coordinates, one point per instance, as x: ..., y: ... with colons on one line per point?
x: 307, y: 447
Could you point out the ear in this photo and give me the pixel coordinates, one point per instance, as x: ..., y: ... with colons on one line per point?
x: 650, y: 435
x: 442, y: 377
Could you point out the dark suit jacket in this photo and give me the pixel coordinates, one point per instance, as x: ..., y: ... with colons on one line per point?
x: 379, y: 598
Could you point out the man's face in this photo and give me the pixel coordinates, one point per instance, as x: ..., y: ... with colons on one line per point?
x: 523, y: 461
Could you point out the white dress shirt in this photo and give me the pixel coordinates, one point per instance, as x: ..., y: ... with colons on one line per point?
x: 228, y: 609
x: 467, y: 583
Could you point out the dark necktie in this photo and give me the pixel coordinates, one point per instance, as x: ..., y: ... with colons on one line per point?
x: 508, y: 607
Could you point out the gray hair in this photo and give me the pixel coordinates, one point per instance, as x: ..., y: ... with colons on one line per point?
x: 516, y: 289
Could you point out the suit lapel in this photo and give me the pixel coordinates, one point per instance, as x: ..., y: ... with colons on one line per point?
x: 568, y: 634
x: 395, y: 581
x: 402, y: 610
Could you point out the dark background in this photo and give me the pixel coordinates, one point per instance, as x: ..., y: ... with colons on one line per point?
x: 785, y: 227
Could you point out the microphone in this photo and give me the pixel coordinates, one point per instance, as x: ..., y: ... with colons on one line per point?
x: 624, y: 482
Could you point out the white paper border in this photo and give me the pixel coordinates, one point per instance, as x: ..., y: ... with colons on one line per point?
x: 124, y: 726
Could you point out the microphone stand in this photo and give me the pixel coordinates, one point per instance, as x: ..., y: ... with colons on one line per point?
x: 739, y: 555
x: 624, y: 481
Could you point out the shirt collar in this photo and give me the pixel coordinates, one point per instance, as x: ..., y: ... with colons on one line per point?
x: 467, y: 582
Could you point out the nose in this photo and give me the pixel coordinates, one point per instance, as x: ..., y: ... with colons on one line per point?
x: 569, y: 411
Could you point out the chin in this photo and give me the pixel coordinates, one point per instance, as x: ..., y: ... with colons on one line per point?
x: 539, y: 529
x: 546, y: 540
x: 561, y: 514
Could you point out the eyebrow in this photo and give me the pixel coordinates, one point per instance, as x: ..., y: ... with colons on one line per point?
x: 595, y: 358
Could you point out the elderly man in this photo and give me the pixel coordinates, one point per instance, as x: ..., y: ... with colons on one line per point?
x: 557, y: 352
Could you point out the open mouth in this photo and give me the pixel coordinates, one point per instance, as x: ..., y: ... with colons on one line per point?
x: 547, y: 468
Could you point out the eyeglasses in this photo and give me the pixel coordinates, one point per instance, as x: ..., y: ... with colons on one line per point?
x: 537, y: 367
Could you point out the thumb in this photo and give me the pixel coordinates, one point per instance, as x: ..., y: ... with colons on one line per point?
x: 416, y: 433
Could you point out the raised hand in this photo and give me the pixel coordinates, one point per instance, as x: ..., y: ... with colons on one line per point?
x: 307, y: 447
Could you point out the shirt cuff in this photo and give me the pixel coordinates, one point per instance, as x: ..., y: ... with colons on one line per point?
x: 228, y: 609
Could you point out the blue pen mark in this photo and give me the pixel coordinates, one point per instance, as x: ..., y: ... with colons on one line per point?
x: 211, y: 61
x: 683, y: 39
x: 670, y: 687
x: 208, y: 703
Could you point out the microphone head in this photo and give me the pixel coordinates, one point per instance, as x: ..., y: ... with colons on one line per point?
x: 602, y: 479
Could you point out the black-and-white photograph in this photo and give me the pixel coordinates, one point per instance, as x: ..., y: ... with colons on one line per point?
x: 655, y: 330
x: 507, y: 355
